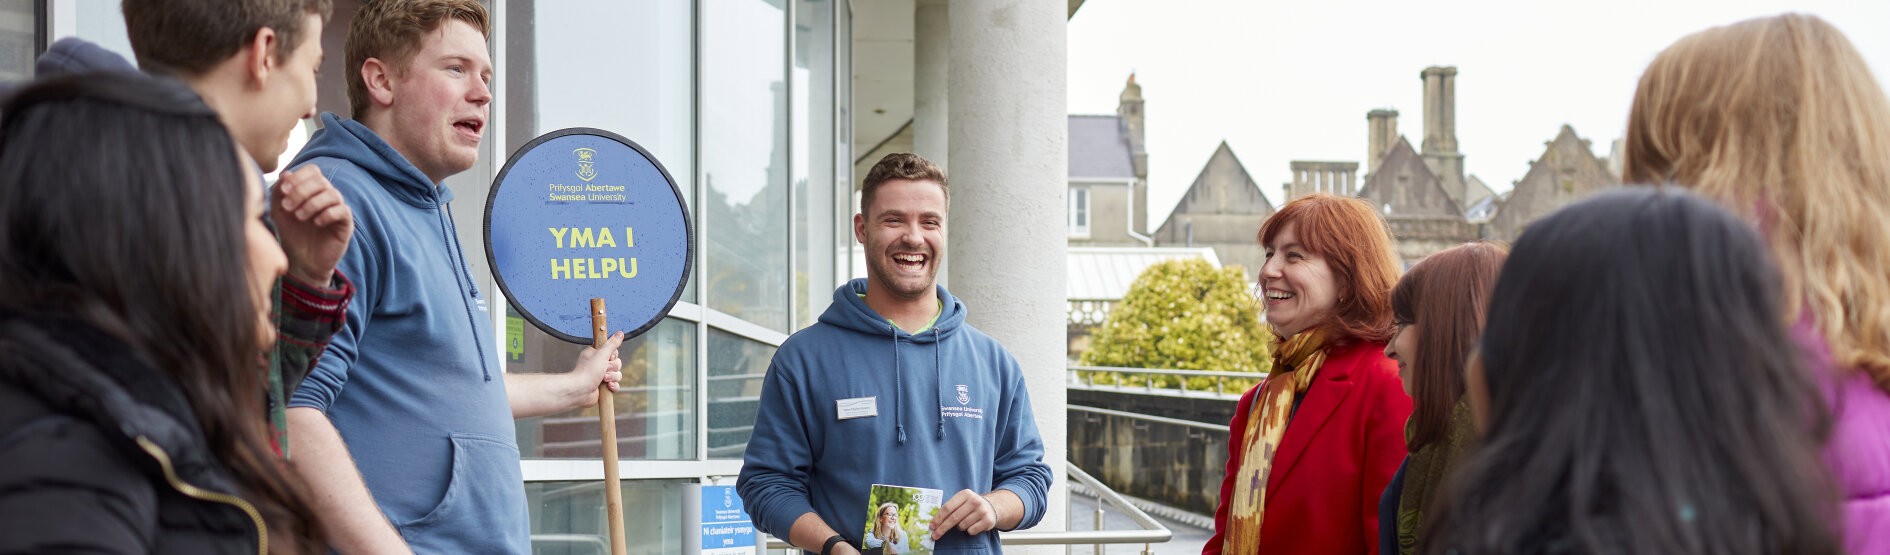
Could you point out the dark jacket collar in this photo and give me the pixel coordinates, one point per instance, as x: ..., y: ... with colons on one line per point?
x: 80, y: 371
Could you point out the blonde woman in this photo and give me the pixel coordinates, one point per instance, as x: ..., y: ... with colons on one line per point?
x: 885, y: 536
x: 1780, y: 120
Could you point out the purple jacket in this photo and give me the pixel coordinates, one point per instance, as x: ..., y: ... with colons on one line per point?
x: 1859, y: 450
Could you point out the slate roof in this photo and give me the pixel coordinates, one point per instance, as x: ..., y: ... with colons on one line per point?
x: 1099, y: 147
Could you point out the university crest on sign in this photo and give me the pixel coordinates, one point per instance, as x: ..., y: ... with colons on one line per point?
x: 586, y: 171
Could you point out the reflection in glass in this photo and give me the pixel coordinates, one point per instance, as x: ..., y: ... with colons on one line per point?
x: 736, y: 368
x: 568, y: 518
x: 744, y: 224
x: 655, y: 403
x: 814, y: 186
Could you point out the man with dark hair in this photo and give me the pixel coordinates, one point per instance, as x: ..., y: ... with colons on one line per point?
x: 254, y: 62
x: 894, y: 349
x: 412, y: 382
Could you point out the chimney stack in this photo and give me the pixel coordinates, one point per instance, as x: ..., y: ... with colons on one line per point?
x: 1383, y: 128
x: 1440, y: 110
x: 1440, y: 130
x: 1129, y: 108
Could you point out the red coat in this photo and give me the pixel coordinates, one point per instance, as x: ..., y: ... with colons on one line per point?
x: 1338, y: 454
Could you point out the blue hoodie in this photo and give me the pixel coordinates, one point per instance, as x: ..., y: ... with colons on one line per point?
x: 413, y: 380
x: 953, y: 414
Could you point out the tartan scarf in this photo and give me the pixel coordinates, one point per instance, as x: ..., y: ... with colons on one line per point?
x: 1296, y: 360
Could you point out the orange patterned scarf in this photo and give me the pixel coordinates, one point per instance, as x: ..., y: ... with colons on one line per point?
x: 1295, y: 362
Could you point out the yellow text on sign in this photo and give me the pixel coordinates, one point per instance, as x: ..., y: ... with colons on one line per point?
x: 592, y: 268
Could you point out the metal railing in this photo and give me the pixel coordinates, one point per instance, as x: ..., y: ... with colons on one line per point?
x: 1223, y: 428
x: 1151, y: 532
x: 1220, y: 378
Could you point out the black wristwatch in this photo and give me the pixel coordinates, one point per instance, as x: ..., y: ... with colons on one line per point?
x: 828, y: 548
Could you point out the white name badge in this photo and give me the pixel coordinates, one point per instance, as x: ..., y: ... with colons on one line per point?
x: 858, y: 407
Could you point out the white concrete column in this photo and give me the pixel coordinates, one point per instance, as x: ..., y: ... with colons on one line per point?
x: 931, y: 63
x: 931, y: 70
x: 1010, y: 171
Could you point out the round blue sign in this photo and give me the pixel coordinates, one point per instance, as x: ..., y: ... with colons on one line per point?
x: 584, y: 213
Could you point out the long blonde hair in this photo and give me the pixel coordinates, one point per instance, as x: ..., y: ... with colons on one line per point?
x: 1780, y: 119
x: 880, y: 529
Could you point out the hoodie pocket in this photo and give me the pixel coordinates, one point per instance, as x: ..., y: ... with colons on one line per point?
x: 477, y: 492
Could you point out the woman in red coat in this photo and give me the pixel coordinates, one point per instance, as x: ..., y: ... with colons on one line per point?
x: 1314, y: 445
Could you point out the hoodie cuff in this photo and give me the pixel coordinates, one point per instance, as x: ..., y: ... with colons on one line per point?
x: 312, y: 314
x: 1033, y: 498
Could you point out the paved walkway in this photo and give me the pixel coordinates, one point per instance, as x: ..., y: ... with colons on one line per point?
x: 1187, y: 540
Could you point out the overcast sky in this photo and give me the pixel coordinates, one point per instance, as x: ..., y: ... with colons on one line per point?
x: 1285, y: 80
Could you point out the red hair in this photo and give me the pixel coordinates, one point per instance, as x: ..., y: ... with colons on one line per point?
x: 1357, y: 246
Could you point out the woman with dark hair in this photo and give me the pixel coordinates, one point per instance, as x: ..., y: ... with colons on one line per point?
x: 1313, y: 446
x: 133, y: 317
x: 1438, y: 309
x: 1780, y: 120
x: 1639, y: 393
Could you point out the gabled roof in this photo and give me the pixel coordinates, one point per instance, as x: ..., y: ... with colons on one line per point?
x: 1222, y: 187
x: 1099, y: 147
x: 1566, y: 171
x: 1475, y: 192
x: 1402, y: 185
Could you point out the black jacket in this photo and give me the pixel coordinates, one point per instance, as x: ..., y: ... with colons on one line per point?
x: 100, y: 453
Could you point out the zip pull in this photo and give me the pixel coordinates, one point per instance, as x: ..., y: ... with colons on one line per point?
x: 200, y: 494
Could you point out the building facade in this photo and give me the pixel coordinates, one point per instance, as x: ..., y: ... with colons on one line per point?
x: 1426, y: 199
x: 761, y: 111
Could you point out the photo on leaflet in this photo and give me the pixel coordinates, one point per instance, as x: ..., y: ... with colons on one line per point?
x: 899, y: 520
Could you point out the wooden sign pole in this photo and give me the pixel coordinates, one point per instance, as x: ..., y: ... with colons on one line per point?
x: 607, y: 420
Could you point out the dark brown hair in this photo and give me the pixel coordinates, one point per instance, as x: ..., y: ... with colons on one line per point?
x: 1356, y: 244
x: 901, y: 165
x: 392, y: 31
x: 164, y: 270
x: 188, y: 37
x: 1446, y: 295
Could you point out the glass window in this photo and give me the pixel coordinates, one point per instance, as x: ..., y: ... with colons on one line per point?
x: 568, y: 518
x: 736, y: 368
x: 22, y: 38
x: 1079, y: 212
x: 624, y: 67
x: 744, y: 224
x: 813, y: 146
x: 656, y: 403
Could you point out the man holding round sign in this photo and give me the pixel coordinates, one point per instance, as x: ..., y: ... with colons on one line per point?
x: 412, y: 382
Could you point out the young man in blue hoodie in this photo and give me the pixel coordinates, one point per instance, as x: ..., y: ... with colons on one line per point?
x: 412, y: 382
x: 254, y: 62
x: 893, y: 387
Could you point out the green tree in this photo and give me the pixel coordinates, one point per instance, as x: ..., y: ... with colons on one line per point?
x: 1184, y: 314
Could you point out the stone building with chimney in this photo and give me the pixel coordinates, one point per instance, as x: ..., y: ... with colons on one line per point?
x: 1426, y: 198
x: 1108, y: 186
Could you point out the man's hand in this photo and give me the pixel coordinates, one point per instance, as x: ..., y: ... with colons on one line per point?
x: 597, y: 366
x: 542, y: 394
x: 313, y: 222
x: 973, y: 513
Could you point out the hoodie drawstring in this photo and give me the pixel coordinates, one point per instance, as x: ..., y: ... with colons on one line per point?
x: 938, y: 370
x: 899, y: 418
x: 465, y: 274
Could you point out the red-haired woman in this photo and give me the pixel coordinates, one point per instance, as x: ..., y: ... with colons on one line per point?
x: 1438, y: 309
x: 1314, y: 445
